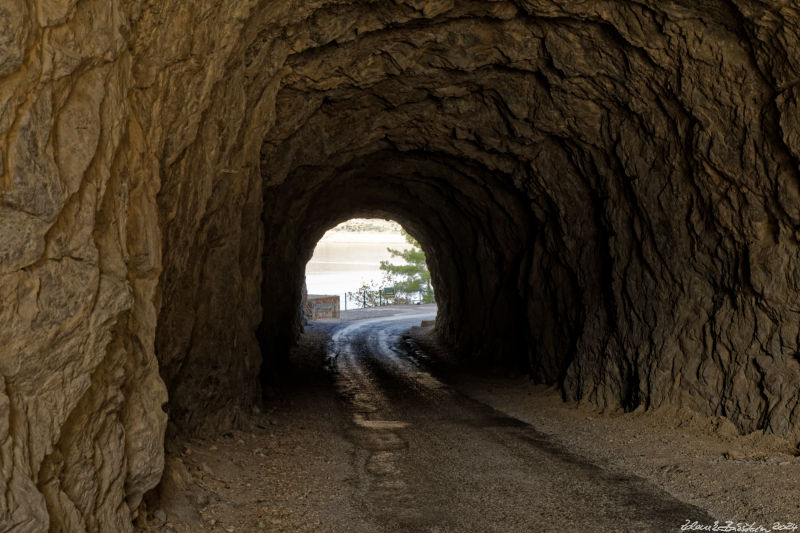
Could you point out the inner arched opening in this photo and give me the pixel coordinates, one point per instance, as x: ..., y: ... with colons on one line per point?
x: 473, y: 236
x: 364, y: 263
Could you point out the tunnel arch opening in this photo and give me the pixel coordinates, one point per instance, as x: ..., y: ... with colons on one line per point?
x: 367, y: 263
x: 474, y: 271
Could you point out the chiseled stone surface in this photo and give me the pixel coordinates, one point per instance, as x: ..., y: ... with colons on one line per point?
x: 615, y: 184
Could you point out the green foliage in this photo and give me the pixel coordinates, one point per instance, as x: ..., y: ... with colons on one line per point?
x: 411, y: 277
x: 408, y: 280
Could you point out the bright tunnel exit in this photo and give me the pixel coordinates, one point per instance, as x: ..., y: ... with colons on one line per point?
x: 366, y: 262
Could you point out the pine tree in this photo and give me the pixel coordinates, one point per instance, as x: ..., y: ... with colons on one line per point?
x: 413, y: 276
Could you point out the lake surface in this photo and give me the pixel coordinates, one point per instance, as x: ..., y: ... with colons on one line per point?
x: 344, y: 261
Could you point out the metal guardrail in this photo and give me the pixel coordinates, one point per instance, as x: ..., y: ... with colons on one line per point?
x: 378, y: 298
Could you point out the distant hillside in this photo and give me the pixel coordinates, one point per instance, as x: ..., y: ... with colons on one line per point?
x: 355, y: 225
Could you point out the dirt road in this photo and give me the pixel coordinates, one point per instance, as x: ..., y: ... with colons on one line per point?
x: 430, y: 459
x: 372, y: 433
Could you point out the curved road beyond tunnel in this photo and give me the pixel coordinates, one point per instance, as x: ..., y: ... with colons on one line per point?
x: 428, y: 458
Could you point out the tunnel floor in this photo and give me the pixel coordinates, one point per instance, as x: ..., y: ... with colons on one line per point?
x: 430, y: 459
x: 375, y: 431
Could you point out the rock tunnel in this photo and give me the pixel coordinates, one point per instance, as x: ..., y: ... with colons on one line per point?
x: 607, y: 191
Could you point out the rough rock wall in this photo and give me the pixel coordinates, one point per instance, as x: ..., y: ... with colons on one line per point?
x: 653, y: 145
x: 78, y: 273
x: 100, y: 101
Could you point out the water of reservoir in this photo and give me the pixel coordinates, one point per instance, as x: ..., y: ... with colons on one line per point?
x: 343, y: 261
